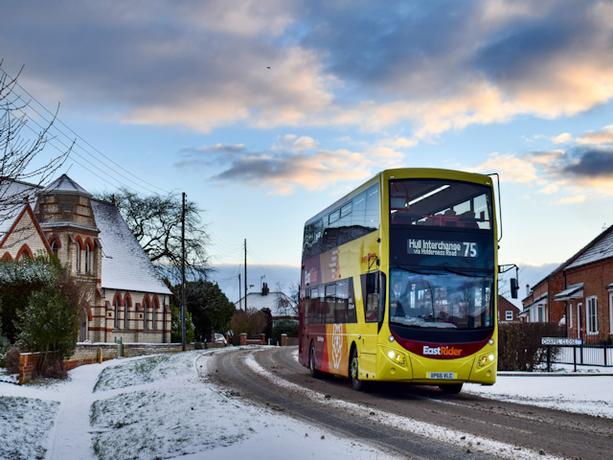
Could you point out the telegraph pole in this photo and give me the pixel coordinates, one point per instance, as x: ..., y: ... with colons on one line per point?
x: 183, y: 274
x: 245, y: 274
x: 240, y: 296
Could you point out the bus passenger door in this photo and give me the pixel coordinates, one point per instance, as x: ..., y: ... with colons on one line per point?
x: 370, y: 298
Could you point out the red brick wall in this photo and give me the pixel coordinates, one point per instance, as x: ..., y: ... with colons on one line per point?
x: 595, y: 277
x: 556, y: 309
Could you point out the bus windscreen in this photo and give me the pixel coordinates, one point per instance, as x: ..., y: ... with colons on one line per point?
x: 441, y: 299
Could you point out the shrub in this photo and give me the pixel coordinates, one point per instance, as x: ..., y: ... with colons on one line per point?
x: 519, y: 345
x: 54, y: 368
x: 252, y: 322
x: 11, y: 360
x: 49, y: 324
x: 176, y: 334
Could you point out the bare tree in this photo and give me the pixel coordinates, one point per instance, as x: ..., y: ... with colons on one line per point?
x: 155, y: 221
x: 18, y: 151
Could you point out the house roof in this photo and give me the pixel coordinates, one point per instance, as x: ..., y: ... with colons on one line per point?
x: 278, y: 303
x: 66, y: 185
x: 602, y: 249
x: 574, y: 291
x: 125, y: 265
x: 540, y: 300
x: 503, y: 303
x: 13, y: 198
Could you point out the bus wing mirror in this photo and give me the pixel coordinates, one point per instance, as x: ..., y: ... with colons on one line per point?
x: 514, y: 288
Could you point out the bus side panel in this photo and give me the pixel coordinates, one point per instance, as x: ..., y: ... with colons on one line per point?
x: 337, y: 349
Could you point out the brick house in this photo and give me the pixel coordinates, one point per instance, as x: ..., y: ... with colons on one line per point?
x: 126, y: 296
x: 507, y: 312
x: 587, y: 298
x: 578, y: 294
x: 538, y: 305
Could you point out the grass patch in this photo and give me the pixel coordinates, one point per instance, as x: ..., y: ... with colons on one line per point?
x: 22, y: 420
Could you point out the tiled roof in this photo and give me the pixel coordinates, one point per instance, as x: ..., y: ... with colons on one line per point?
x: 603, y: 249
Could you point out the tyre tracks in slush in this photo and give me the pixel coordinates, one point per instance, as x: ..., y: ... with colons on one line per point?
x: 408, y: 420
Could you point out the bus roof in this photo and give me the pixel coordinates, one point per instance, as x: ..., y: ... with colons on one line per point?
x: 414, y: 172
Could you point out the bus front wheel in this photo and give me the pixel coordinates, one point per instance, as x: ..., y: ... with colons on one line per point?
x: 354, y: 372
x: 452, y: 389
x: 314, y: 372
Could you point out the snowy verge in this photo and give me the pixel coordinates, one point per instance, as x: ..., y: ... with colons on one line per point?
x: 23, y: 419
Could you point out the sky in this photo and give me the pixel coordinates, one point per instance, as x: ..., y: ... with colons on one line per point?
x: 266, y: 112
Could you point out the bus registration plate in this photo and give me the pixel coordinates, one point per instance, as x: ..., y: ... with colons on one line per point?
x: 441, y: 375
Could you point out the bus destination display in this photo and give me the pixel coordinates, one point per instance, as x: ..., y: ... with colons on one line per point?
x: 427, y: 247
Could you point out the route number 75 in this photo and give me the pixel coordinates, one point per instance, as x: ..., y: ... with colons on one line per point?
x: 470, y: 249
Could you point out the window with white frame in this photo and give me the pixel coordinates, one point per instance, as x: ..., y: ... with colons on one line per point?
x: 592, y: 314
x: 508, y: 315
x: 570, y: 315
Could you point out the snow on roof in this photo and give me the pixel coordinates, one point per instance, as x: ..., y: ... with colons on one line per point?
x: 603, y: 249
x: 125, y: 264
x: 278, y: 303
x: 65, y: 184
x: 574, y: 291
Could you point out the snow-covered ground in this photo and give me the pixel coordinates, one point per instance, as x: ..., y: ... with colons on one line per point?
x: 158, y: 407
x: 588, y: 391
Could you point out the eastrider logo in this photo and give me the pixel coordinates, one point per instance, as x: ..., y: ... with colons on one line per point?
x: 442, y: 351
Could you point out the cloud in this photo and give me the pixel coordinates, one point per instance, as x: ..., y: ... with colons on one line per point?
x: 590, y: 164
x: 510, y: 167
x: 283, y: 171
x: 604, y: 136
x: 562, y: 138
x: 300, y: 144
x: 572, y: 200
x: 431, y: 67
x: 585, y: 171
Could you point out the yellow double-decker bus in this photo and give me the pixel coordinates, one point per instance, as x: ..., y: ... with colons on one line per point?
x: 398, y: 281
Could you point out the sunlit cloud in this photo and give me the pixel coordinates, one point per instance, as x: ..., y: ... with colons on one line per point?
x: 280, y: 63
x: 283, y: 171
x: 562, y: 138
x: 296, y: 144
x: 604, y: 136
x: 572, y: 200
x: 510, y: 167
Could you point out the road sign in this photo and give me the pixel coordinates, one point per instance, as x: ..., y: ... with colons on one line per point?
x: 561, y: 342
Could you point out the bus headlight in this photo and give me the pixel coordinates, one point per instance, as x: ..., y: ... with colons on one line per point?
x: 486, y: 359
x: 396, y: 357
x: 491, y: 342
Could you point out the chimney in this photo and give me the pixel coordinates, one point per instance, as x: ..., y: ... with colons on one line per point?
x: 113, y: 199
x: 527, y: 290
x: 265, y: 289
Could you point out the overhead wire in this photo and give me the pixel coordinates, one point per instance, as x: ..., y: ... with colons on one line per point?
x: 55, y: 128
